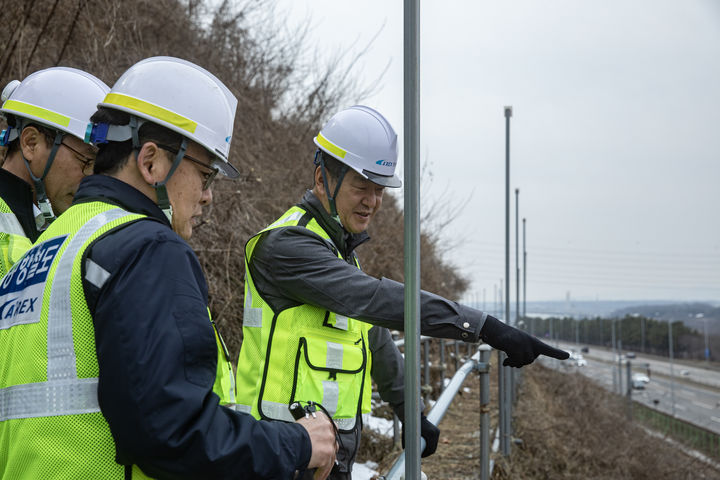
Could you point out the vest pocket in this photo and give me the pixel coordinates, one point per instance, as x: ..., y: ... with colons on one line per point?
x: 330, y: 373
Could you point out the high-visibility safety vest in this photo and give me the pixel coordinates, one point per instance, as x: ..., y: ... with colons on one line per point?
x: 13, y: 242
x: 50, y: 421
x: 303, y: 353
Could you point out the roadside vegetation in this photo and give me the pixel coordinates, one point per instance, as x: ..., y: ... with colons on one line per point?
x: 282, y: 103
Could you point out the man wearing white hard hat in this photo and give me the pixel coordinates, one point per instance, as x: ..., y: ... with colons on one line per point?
x: 113, y: 368
x: 315, y: 327
x: 45, y: 157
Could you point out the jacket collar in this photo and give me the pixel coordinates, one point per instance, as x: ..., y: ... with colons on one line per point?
x: 345, y: 241
x: 18, y: 195
x: 111, y: 190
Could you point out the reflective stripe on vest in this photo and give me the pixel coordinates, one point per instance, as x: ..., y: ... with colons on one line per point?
x: 13, y: 242
x: 302, y: 353
x: 9, y: 224
x: 63, y: 393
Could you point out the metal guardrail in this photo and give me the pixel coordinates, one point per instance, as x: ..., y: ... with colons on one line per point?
x: 479, y: 361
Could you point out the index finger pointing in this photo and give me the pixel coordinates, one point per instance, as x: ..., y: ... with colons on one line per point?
x: 553, y: 352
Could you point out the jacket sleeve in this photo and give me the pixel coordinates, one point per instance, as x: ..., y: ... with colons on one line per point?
x: 157, y: 361
x: 295, y: 265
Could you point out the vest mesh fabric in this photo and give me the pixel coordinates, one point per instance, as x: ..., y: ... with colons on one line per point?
x: 285, y: 359
x: 58, y: 446
x: 13, y: 242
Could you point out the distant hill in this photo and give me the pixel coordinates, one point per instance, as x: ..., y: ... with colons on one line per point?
x: 693, y: 315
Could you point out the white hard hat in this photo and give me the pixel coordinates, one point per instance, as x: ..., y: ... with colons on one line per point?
x: 60, y: 98
x: 182, y: 97
x: 364, y: 140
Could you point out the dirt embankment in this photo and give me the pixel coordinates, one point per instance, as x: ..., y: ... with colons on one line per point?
x: 569, y: 428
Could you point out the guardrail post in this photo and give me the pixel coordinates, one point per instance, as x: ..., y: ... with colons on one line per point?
x: 426, y: 372
x: 396, y: 430
x: 457, y: 355
x: 628, y: 374
x: 442, y: 365
x: 484, y: 368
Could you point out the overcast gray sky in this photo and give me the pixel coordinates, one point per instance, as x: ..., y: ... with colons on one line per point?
x: 615, y: 135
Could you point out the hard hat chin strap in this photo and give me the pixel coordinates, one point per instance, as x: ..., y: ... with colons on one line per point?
x: 39, y: 183
x: 341, y: 175
x: 160, y: 187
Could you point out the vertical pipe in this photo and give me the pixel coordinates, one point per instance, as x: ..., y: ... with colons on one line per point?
x: 507, y: 415
x: 642, y: 333
x: 484, y: 413
x: 517, y: 258
x: 617, y: 357
x: 411, y: 123
x: 426, y: 373
x: 707, y: 345
x: 457, y: 354
x: 672, y: 373
x: 628, y: 374
x: 532, y: 326
x: 442, y: 365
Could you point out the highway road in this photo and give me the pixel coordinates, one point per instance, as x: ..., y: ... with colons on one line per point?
x: 694, y: 397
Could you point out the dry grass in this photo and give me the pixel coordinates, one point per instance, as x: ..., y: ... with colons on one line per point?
x: 569, y: 428
x: 573, y: 429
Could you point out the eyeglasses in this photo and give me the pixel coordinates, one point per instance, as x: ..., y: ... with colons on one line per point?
x: 208, y: 176
x: 87, y: 162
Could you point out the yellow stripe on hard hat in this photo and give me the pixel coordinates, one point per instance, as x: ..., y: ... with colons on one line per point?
x: 151, y: 110
x: 331, y: 147
x: 38, y: 112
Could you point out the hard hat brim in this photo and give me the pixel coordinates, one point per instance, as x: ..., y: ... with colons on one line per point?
x: 391, y: 181
x: 226, y: 168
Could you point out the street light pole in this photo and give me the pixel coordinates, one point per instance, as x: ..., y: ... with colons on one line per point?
x: 672, y: 373
x: 707, y: 345
x: 517, y: 259
x: 532, y: 326
x: 504, y: 393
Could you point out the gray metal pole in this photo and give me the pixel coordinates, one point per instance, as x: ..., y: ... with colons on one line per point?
x: 411, y: 122
x: 484, y: 412
x: 628, y: 374
x: 532, y: 327
x: 517, y: 258
x: 442, y: 364
x: 707, y: 345
x: 672, y: 372
x: 506, y: 391
x: 642, y: 333
x: 615, y: 386
x: 426, y: 372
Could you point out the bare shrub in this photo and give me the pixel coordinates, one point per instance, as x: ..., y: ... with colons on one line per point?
x: 281, y: 105
x: 572, y: 428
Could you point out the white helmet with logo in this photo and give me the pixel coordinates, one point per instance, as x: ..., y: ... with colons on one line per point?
x: 182, y: 97
x: 364, y: 140
x: 60, y: 98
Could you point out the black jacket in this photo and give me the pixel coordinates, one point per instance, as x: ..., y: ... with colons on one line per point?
x: 293, y: 266
x: 18, y: 195
x: 157, y: 357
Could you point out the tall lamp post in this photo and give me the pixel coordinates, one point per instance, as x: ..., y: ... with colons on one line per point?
x: 504, y: 384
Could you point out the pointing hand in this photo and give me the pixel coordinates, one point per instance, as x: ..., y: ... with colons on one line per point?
x: 521, y: 348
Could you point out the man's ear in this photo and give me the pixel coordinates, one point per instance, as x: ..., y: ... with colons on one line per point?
x: 319, y: 185
x: 152, y: 163
x: 32, y: 144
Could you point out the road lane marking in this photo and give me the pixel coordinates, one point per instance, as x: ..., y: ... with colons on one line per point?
x: 715, y: 419
x: 704, y: 405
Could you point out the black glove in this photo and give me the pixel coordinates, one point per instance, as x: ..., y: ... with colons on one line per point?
x: 429, y: 432
x: 520, y: 347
